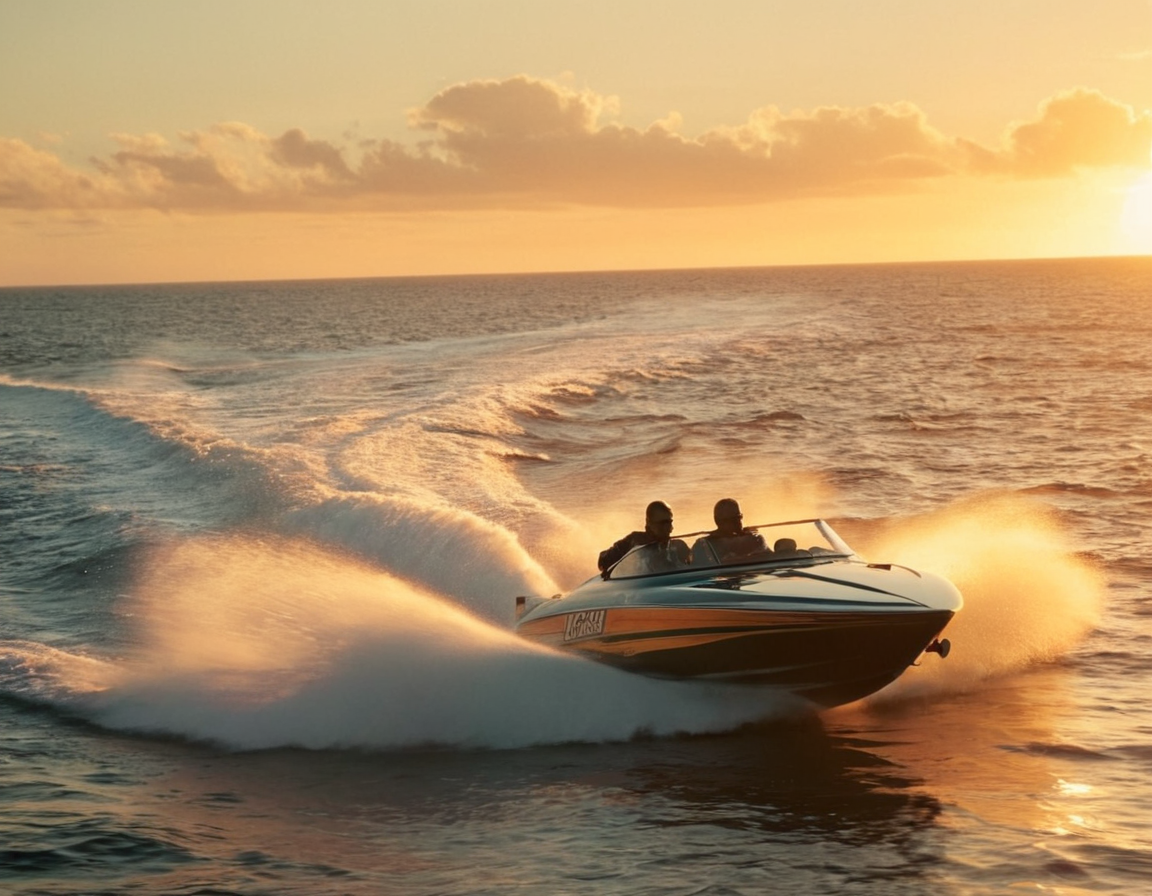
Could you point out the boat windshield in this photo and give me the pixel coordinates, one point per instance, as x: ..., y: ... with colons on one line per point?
x: 796, y: 541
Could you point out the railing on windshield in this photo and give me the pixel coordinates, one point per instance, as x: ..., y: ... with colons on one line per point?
x: 795, y: 541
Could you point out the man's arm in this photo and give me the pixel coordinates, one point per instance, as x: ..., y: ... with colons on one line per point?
x: 618, y: 550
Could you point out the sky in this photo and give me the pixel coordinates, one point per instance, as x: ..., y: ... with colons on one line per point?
x: 156, y: 141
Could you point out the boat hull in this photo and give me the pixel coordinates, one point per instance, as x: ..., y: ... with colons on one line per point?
x: 829, y: 658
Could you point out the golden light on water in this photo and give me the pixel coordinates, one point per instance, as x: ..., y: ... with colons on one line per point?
x: 1070, y: 822
x: 1069, y: 788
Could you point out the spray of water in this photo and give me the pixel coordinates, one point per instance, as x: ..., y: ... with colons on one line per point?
x: 1028, y: 599
x: 40, y: 673
x: 448, y: 550
x: 257, y: 643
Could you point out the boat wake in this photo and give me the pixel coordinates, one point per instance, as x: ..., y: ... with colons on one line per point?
x: 258, y: 643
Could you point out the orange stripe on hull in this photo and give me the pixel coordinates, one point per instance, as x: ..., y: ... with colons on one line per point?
x: 671, y: 625
x: 828, y: 658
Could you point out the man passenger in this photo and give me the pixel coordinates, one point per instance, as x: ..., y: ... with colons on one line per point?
x: 657, y: 530
x: 729, y: 540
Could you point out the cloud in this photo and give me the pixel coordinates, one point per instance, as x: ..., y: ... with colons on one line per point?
x: 227, y: 166
x: 517, y: 109
x: 32, y: 178
x: 526, y: 142
x: 533, y: 138
x: 294, y: 149
x: 1074, y: 131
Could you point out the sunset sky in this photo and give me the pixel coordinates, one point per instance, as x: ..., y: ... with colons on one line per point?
x: 267, y: 139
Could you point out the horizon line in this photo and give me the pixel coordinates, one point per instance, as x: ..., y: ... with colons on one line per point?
x: 575, y: 271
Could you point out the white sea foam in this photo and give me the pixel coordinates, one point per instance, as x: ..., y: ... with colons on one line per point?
x: 256, y: 643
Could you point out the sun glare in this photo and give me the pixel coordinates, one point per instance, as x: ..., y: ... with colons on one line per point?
x: 1136, y: 218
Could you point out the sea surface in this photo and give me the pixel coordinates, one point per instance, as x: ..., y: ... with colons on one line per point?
x: 260, y: 544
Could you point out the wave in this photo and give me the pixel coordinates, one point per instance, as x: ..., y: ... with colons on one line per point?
x: 91, y: 846
x: 1061, y: 750
x: 1071, y: 488
x: 89, y: 483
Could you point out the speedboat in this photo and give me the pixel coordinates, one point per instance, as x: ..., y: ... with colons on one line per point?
x: 816, y: 621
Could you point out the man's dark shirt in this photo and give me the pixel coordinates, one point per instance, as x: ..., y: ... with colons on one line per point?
x: 622, y: 547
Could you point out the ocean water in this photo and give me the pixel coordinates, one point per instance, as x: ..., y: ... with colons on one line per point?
x: 259, y: 546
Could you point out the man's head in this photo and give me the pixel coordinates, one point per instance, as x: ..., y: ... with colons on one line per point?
x: 729, y: 519
x: 658, y: 520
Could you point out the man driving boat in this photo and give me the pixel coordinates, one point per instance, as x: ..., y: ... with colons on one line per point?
x: 657, y: 530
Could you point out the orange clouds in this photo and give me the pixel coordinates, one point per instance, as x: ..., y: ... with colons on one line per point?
x: 519, y: 108
x: 524, y: 142
x: 1076, y: 129
x: 30, y: 178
